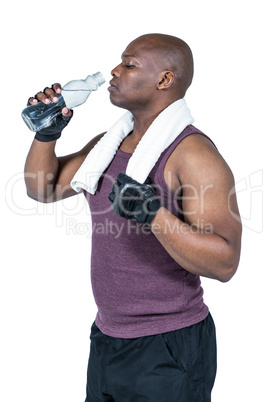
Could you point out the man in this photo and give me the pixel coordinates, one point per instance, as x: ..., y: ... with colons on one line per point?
x: 153, y: 338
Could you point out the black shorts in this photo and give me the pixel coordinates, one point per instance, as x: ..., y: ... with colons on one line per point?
x: 175, y: 366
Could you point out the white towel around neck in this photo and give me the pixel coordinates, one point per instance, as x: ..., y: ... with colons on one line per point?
x: 161, y: 133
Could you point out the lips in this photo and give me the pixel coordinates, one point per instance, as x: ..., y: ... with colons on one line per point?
x: 112, y: 86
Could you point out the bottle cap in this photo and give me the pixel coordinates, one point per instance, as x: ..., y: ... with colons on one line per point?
x: 99, y: 78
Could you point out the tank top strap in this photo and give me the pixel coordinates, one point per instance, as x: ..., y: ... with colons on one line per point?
x: 185, y: 133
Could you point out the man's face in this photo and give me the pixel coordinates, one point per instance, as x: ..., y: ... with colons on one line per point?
x: 135, y: 79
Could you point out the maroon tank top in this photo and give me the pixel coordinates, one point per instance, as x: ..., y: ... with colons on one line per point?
x: 138, y: 288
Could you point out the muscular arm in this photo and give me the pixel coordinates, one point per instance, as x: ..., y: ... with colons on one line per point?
x: 47, y: 176
x: 208, y: 242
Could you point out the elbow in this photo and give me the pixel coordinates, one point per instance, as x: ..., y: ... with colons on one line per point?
x: 31, y: 195
x: 39, y: 194
x: 36, y: 197
x: 229, y: 268
x: 37, y: 189
x: 227, y: 274
x: 230, y: 259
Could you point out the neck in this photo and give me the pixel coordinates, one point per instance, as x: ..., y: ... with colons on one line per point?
x: 144, y: 117
x: 141, y: 125
x: 142, y: 121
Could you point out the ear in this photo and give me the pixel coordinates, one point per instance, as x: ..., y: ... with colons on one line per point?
x: 166, y: 79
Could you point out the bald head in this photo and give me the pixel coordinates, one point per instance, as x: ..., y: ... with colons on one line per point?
x: 171, y: 54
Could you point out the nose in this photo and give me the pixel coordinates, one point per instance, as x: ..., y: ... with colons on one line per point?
x: 116, y: 71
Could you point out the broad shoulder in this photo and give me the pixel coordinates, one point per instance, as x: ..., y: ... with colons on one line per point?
x: 194, y: 148
x: 196, y: 160
x: 197, y: 154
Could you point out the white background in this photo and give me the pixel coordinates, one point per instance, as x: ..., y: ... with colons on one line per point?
x: 45, y: 293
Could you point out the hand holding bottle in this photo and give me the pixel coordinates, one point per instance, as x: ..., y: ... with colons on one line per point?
x: 50, y: 95
x: 50, y: 111
x: 57, y: 121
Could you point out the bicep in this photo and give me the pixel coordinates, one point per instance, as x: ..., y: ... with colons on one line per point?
x: 208, y: 196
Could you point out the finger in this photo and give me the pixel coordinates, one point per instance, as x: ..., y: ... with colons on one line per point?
x: 122, y: 178
x: 148, y: 181
x: 66, y: 112
x: 42, y: 97
x: 111, y: 197
x: 51, y: 94
x: 32, y: 101
x: 115, y: 188
x: 56, y: 87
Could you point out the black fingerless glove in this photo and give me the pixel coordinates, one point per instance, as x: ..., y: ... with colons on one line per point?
x: 53, y: 132
x: 133, y: 200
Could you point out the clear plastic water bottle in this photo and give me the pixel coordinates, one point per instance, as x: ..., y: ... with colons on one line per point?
x: 73, y: 94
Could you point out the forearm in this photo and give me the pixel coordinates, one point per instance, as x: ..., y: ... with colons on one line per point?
x: 199, y: 251
x: 41, y: 170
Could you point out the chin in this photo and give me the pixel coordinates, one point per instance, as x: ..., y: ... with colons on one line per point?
x: 117, y: 103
